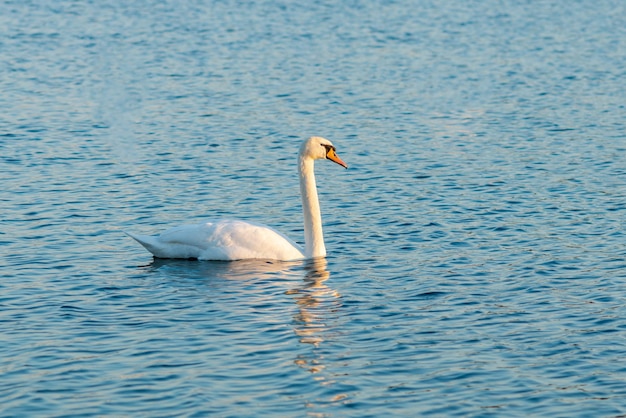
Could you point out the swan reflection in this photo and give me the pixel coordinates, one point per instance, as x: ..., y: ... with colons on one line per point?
x: 316, y: 305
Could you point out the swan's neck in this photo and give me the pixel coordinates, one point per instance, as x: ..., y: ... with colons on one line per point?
x: 313, y: 236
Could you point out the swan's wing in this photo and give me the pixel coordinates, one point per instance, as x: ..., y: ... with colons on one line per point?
x: 196, y: 236
x: 243, y: 240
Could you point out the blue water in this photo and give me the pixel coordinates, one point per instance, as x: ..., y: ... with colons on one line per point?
x: 477, y: 248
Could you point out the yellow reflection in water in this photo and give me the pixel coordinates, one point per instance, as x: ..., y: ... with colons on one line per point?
x: 316, y: 302
x: 313, y: 297
x: 318, y: 306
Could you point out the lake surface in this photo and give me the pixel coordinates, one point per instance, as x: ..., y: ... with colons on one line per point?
x: 476, y: 245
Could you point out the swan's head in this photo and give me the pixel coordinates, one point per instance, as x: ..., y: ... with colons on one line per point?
x: 318, y: 148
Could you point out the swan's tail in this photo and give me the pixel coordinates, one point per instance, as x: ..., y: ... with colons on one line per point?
x: 150, y: 243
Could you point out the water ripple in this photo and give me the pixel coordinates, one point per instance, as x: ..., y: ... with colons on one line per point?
x: 476, y: 244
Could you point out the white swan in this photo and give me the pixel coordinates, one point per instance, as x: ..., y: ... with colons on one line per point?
x: 237, y: 240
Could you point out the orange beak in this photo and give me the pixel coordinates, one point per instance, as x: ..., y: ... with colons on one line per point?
x: 332, y: 156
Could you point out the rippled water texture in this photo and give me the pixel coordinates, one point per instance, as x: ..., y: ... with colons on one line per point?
x: 476, y: 244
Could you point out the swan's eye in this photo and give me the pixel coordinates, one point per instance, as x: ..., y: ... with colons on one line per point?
x: 329, y: 149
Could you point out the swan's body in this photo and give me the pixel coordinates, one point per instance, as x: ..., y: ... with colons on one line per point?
x: 222, y: 239
x: 238, y: 240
